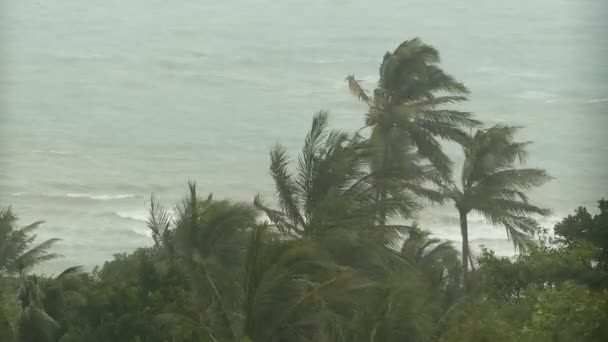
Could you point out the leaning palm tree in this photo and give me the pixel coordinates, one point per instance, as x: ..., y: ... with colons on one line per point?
x: 17, y: 255
x: 492, y: 186
x: 407, y: 110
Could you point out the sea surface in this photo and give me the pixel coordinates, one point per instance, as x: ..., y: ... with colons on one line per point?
x: 103, y: 103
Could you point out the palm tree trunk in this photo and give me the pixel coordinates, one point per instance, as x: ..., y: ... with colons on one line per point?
x: 464, y: 232
x: 382, y: 208
x: 220, y: 302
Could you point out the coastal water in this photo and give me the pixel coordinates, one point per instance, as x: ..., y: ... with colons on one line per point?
x: 104, y: 102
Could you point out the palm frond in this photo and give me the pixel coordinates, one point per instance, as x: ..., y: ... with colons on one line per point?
x: 34, y: 256
x: 513, y: 179
x: 159, y: 222
x: 355, y: 89
x: 453, y: 117
x: 429, y: 148
x: 70, y: 271
x: 286, y: 187
x: 276, y: 217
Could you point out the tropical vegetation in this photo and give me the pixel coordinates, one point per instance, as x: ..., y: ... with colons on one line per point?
x: 337, y: 254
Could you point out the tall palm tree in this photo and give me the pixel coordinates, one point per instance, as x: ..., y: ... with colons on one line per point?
x: 492, y: 186
x: 17, y: 255
x: 407, y: 110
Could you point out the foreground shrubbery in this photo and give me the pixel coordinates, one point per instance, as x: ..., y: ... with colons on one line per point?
x: 253, y: 285
x: 335, y: 261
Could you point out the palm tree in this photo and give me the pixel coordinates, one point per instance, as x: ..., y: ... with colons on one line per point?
x: 35, y: 324
x: 41, y: 306
x: 332, y: 188
x: 16, y: 252
x: 294, y: 291
x: 401, y: 308
x: 437, y: 259
x: 328, y: 190
x: 493, y: 187
x: 208, y: 238
x: 407, y: 112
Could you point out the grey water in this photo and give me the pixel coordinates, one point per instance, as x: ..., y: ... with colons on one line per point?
x: 104, y: 102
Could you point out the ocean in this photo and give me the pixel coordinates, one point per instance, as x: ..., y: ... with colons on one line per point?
x: 103, y: 103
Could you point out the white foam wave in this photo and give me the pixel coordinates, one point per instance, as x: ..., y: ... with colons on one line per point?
x: 537, y: 95
x: 529, y: 74
x: 57, y: 152
x: 135, y: 215
x: 139, y: 217
x: 524, y: 74
x: 141, y: 231
x: 17, y: 194
x: 597, y: 100
x: 102, y: 197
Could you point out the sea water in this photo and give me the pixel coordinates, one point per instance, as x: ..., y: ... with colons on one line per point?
x: 103, y: 103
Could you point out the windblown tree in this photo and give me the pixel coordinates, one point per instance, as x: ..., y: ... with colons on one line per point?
x: 333, y: 189
x: 35, y: 324
x: 328, y: 189
x: 407, y: 112
x: 492, y: 186
x: 330, y: 199
x: 438, y: 260
x: 42, y: 305
x: 295, y: 291
x: 18, y: 253
x: 208, y: 238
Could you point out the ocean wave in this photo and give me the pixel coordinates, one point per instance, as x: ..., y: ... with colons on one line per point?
x: 17, y: 194
x: 57, y: 152
x: 141, y: 231
x: 135, y: 215
x: 536, y: 95
x: 139, y: 217
x: 591, y: 101
x: 102, y: 197
x: 529, y: 75
x: 525, y: 74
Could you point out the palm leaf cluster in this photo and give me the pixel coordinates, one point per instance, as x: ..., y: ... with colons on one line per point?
x: 18, y: 253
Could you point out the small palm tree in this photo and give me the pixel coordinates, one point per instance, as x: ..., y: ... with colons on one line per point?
x: 38, y: 307
x: 493, y: 187
x: 407, y: 110
x: 328, y: 189
x: 16, y: 252
x: 437, y: 259
x: 294, y: 291
x: 208, y: 238
x: 35, y: 324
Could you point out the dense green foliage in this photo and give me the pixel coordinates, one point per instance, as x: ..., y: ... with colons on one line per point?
x: 337, y: 258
